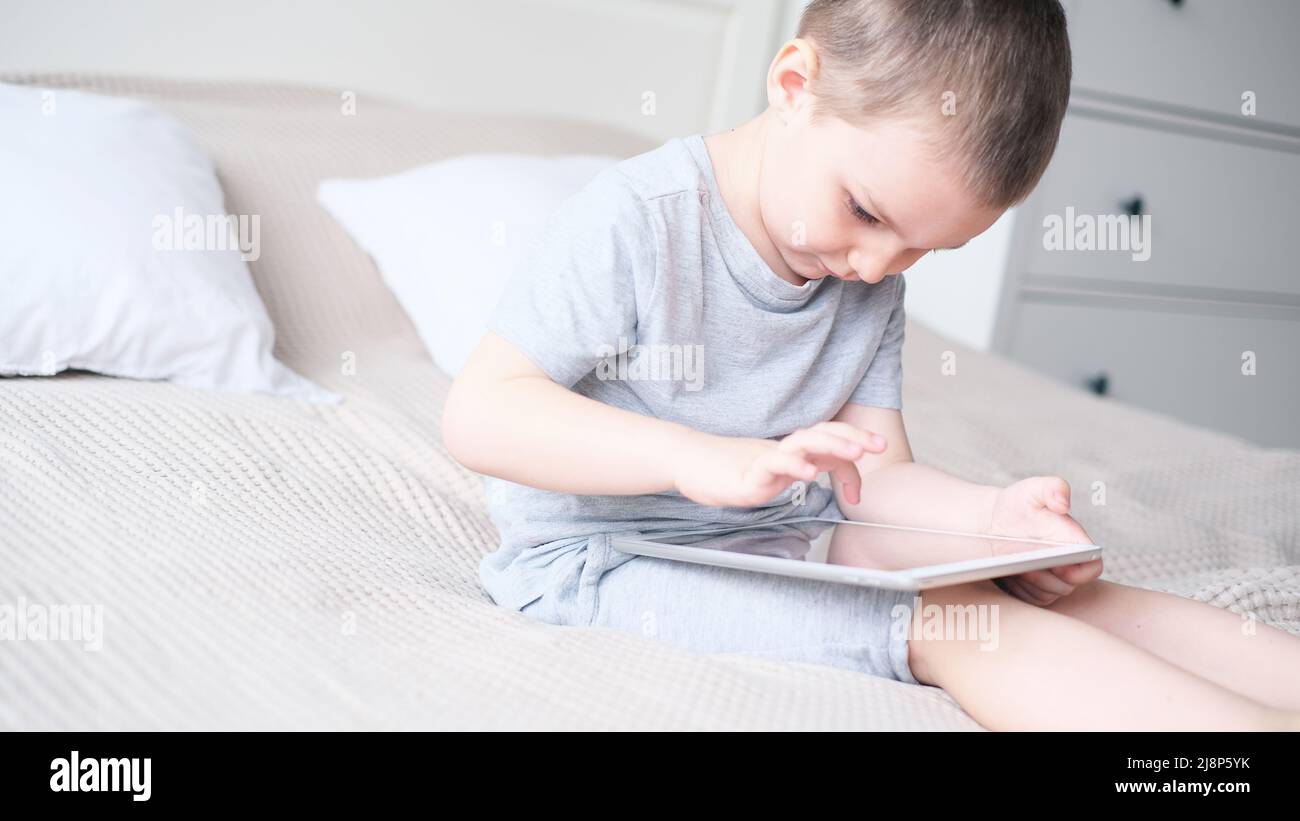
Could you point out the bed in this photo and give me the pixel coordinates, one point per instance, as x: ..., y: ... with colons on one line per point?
x: 270, y: 564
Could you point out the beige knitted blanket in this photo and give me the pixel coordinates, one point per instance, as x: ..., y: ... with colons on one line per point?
x: 261, y: 563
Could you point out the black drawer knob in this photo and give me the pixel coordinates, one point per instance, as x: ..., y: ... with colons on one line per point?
x: 1133, y: 206
x: 1098, y: 384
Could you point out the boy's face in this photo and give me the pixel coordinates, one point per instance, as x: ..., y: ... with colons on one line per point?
x: 820, y: 182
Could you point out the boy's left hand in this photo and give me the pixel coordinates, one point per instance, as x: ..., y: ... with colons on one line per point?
x: 1038, y: 508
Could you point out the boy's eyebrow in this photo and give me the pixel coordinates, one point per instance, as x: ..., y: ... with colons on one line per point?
x: 880, y: 213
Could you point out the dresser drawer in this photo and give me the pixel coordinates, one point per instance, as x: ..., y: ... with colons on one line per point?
x: 1201, y: 54
x: 1188, y: 366
x: 1222, y: 214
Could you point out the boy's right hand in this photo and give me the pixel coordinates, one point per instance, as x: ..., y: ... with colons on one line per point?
x: 726, y: 471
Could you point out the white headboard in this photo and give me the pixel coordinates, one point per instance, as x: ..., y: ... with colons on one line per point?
x: 661, y: 68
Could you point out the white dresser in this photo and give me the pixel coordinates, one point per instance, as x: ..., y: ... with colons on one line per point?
x: 1204, y: 322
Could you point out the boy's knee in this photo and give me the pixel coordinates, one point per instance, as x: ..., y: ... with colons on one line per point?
x: 923, y: 651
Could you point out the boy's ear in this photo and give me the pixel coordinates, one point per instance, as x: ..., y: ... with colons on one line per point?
x: 795, y: 64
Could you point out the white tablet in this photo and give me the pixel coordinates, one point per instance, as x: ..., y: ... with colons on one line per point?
x: 876, y: 555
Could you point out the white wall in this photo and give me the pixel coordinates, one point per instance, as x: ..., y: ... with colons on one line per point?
x: 704, y: 60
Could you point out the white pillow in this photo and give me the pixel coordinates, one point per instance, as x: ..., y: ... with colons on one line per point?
x: 446, y: 236
x: 95, y: 192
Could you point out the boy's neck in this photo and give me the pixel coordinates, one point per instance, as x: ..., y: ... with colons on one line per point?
x: 737, y: 157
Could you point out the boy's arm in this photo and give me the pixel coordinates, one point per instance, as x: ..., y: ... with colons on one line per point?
x: 505, y: 417
x: 898, y: 491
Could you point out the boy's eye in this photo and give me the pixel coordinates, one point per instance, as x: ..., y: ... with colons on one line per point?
x: 861, y: 214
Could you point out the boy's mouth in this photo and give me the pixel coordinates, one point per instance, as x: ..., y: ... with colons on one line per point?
x: 828, y: 272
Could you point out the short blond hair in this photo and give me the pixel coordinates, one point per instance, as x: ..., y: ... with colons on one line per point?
x: 999, y: 70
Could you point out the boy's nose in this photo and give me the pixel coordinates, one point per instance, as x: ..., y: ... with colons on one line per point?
x: 880, y: 261
x: 874, y: 270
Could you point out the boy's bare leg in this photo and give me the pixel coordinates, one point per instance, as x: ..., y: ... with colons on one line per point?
x: 1049, y: 671
x: 1252, y: 658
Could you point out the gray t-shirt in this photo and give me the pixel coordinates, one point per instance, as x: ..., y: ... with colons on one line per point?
x: 643, y: 293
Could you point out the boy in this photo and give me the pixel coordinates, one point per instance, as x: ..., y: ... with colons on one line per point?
x: 775, y: 252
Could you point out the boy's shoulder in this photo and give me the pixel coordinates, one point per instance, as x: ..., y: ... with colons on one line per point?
x: 668, y: 170
x: 635, y: 197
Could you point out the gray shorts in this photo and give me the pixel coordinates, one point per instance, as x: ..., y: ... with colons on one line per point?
x: 722, y: 610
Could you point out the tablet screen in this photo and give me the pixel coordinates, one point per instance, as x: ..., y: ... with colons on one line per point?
x: 852, y: 544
